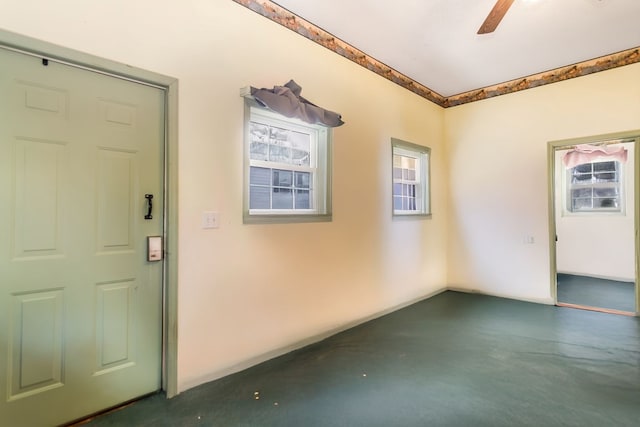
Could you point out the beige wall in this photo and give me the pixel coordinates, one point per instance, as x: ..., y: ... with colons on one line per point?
x: 497, y: 152
x: 245, y: 291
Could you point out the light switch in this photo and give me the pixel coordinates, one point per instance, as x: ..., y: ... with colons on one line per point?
x: 210, y: 219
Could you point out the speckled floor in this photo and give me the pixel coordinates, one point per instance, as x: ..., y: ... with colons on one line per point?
x: 453, y: 360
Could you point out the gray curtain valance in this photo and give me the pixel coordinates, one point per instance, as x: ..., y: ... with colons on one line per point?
x: 286, y: 100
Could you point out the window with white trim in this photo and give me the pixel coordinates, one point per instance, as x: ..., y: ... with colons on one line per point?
x: 595, y: 187
x: 287, y: 168
x: 410, y: 178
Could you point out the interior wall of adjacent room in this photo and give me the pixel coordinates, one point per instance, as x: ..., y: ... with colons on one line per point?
x: 597, y: 245
x: 497, y: 160
x: 246, y: 291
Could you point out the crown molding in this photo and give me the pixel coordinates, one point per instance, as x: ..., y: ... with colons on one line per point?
x: 306, y: 29
x: 580, y: 69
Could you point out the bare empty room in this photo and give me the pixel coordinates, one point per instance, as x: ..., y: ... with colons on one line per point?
x: 318, y: 213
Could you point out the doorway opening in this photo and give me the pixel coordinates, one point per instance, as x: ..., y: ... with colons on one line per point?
x: 593, y: 222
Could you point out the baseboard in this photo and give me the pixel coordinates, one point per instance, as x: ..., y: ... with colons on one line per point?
x: 546, y: 301
x: 245, y: 364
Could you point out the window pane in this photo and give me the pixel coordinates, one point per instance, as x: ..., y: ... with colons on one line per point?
x: 405, y: 205
x: 581, y: 204
x: 596, y: 186
x: 282, y: 198
x: 581, y: 192
x: 287, y: 169
x: 279, y: 154
x: 397, y: 189
x: 606, y: 177
x: 604, y: 166
x: 280, y: 137
x: 258, y: 147
x: 584, y: 168
x: 581, y: 178
x: 259, y: 197
x: 259, y: 132
x: 300, y: 158
x: 300, y: 140
x: 409, y: 162
x: 397, y: 173
x: 259, y: 176
x: 259, y: 151
x: 605, y: 203
x: 397, y: 203
x: 302, y: 199
x: 606, y: 192
x: 303, y: 179
x: 282, y: 178
x: 410, y: 193
x: 301, y: 143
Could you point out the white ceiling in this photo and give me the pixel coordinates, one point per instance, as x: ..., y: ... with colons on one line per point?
x: 434, y: 42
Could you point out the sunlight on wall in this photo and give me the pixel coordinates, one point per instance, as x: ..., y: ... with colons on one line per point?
x: 247, y: 292
x: 497, y: 152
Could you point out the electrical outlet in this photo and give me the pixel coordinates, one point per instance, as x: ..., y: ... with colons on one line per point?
x: 210, y: 219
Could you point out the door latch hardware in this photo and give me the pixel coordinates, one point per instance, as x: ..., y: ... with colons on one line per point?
x: 149, y: 198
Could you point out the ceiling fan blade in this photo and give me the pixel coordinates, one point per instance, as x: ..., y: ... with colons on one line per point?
x: 495, y: 16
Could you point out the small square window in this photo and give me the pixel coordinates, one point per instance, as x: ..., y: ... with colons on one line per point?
x: 287, y: 168
x: 410, y: 189
x: 594, y: 187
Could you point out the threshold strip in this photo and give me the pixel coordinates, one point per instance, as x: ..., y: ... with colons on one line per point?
x: 599, y: 309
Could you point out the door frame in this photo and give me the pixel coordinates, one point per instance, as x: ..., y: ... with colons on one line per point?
x: 552, y: 147
x: 55, y: 53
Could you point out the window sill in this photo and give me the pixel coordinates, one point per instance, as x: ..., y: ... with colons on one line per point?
x: 411, y: 216
x: 285, y: 218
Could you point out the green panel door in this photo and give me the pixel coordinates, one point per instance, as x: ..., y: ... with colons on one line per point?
x: 80, y: 305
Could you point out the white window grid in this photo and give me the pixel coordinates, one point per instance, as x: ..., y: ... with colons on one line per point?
x: 595, y: 187
x: 406, y: 180
x: 410, y: 180
x: 297, y: 166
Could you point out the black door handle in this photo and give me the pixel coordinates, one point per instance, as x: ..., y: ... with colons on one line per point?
x: 149, y: 198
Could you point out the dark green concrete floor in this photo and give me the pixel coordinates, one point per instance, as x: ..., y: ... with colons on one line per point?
x: 453, y: 360
x: 594, y: 292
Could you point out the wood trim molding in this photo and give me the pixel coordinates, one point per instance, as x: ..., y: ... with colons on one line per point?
x: 306, y: 29
x: 603, y: 63
x: 599, y: 309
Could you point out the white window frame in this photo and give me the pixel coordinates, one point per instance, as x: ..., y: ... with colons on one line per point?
x: 419, y: 187
x: 319, y: 167
x: 593, y: 185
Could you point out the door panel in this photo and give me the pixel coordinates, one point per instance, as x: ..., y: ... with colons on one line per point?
x: 80, y: 306
x: 114, y: 319
x: 38, y: 167
x: 116, y: 171
x: 36, y: 343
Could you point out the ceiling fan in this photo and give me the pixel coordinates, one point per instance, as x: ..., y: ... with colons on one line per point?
x: 495, y: 16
